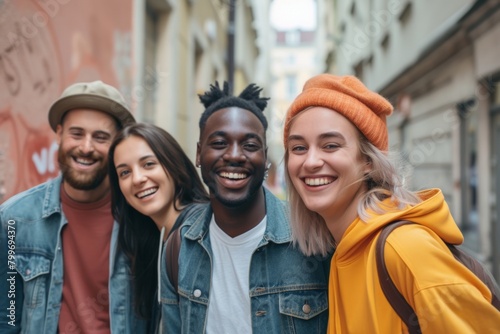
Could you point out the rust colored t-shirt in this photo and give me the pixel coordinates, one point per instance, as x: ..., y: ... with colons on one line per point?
x: 85, y: 246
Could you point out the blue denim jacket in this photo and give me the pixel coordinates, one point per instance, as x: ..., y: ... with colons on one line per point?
x: 288, y: 291
x: 30, y: 293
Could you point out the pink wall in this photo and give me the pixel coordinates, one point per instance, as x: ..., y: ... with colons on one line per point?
x: 45, y: 45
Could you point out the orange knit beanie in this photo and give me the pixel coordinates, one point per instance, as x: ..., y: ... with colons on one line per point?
x: 348, y: 96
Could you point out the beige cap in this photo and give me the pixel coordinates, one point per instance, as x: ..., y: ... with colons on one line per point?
x: 94, y: 95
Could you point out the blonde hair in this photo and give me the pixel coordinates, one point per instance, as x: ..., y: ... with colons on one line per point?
x: 309, y: 230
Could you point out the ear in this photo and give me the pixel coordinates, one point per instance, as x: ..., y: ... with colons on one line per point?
x: 198, y: 150
x: 368, y: 166
x: 59, y: 130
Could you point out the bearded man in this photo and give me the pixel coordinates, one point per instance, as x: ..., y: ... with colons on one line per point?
x: 61, y: 271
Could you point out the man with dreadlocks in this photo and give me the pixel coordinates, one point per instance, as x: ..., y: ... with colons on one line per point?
x: 238, y: 271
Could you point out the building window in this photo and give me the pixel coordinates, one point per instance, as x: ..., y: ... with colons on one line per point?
x: 292, y: 37
x: 353, y: 8
x: 405, y: 15
x: 358, y: 70
x: 369, y: 60
x: 385, y: 41
x: 291, y: 86
x: 468, y: 115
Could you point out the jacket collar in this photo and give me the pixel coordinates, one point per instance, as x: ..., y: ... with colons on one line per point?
x: 277, y: 229
x: 52, y: 198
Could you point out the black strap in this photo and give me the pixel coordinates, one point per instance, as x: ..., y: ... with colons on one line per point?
x: 173, y: 245
x: 479, y: 270
x: 395, y: 298
x: 173, y: 248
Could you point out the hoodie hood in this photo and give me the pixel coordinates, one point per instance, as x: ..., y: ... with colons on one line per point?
x: 432, y: 212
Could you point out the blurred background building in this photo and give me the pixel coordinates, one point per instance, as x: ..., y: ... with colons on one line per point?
x: 294, y: 60
x: 439, y: 64
x: 159, y: 53
x: 437, y: 61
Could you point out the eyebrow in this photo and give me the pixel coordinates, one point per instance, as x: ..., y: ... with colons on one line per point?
x: 253, y: 136
x: 217, y: 134
x: 101, y: 132
x: 96, y: 132
x: 140, y: 159
x: 331, y: 134
x: 326, y: 135
x: 224, y: 134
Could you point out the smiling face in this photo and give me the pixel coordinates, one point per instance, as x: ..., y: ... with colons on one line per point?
x: 143, y: 181
x: 325, y: 165
x: 84, y: 139
x: 232, y: 155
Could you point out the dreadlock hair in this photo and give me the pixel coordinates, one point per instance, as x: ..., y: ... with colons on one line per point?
x: 216, y: 99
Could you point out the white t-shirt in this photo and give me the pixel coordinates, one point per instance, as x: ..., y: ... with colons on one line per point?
x: 229, y: 306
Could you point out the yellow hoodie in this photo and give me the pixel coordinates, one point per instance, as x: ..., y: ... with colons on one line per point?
x: 446, y: 296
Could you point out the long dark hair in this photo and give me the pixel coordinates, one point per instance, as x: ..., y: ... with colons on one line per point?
x: 138, y: 236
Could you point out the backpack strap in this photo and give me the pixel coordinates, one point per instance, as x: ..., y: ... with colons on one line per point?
x: 391, y: 292
x: 173, y: 244
x: 496, y: 302
x: 479, y: 270
x: 173, y: 248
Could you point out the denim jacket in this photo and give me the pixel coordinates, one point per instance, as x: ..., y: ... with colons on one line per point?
x: 288, y: 291
x: 31, y: 284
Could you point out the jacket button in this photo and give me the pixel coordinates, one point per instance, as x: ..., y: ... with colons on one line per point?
x: 28, y: 271
x: 306, y: 308
x: 197, y: 293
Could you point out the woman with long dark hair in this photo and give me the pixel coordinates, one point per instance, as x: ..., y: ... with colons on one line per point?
x: 152, y: 181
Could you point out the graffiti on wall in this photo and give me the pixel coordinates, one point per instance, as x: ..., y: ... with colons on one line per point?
x: 29, y: 78
x: 46, y: 45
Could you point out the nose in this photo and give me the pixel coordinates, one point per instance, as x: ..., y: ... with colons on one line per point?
x: 87, y: 145
x: 138, y: 177
x: 313, y: 160
x: 234, y: 153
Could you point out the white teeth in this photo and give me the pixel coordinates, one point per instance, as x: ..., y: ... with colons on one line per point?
x: 84, y: 161
x: 146, y: 192
x: 234, y: 176
x: 320, y: 181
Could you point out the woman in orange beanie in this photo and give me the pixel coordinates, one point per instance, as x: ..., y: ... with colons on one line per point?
x: 344, y: 190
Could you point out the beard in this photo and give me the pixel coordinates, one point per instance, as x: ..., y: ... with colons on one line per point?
x: 225, y: 197
x: 240, y: 202
x: 81, y: 180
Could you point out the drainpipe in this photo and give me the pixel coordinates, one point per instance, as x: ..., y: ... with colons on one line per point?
x: 230, y: 44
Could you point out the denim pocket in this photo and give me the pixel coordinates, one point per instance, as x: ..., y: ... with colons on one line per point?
x: 303, y: 304
x: 34, y: 270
